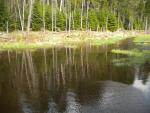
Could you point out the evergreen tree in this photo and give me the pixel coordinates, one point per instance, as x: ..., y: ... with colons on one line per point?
x: 3, y: 16
x: 147, y: 8
x: 112, y: 22
x: 48, y: 20
x: 93, y: 20
x: 138, y: 24
x: 132, y: 14
x: 77, y: 20
x: 102, y: 17
x: 60, y: 21
x: 37, y: 23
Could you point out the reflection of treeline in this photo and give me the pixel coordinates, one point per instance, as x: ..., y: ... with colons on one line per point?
x: 67, y: 67
x: 60, y: 75
x: 57, y: 15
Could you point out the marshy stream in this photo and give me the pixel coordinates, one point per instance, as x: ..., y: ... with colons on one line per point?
x: 87, y: 79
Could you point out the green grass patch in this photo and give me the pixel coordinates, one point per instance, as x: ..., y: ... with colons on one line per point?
x: 133, y: 52
x: 143, y: 39
x: 63, y: 42
x: 101, y: 41
x: 21, y: 45
x: 135, y: 56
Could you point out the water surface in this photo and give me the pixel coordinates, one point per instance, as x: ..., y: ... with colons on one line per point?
x: 88, y: 79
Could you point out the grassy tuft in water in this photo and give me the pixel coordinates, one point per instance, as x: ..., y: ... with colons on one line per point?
x: 133, y: 52
x: 135, y: 56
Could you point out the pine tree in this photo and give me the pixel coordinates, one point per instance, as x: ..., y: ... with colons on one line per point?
x: 77, y: 20
x: 102, y: 17
x: 130, y: 13
x: 60, y: 21
x: 93, y: 20
x: 37, y: 23
x: 147, y: 8
x: 48, y: 21
x: 3, y: 16
x: 112, y: 22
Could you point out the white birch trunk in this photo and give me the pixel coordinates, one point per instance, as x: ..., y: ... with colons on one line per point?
x: 30, y: 16
x: 82, y: 16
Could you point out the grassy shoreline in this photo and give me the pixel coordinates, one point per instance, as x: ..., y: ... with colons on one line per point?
x: 15, y: 40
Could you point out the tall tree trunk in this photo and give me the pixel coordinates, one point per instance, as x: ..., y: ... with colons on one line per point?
x: 29, y: 17
x: 70, y: 22
x: 82, y: 15
x: 55, y: 15
x: 44, y: 16
x: 106, y: 27
x: 7, y: 27
x: 21, y: 19
x: 146, y: 24
x: 66, y: 22
x: 24, y: 1
x: 52, y: 15
x: 118, y: 21
x: 87, y: 16
x: 61, y: 5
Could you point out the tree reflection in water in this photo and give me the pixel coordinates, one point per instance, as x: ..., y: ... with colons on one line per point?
x: 60, y: 80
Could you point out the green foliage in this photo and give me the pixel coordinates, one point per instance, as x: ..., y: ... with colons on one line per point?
x: 67, y: 42
x: 48, y: 20
x: 133, y: 52
x: 112, y: 22
x: 3, y: 16
x: 12, y: 23
x: 143, y: 39
x: 101, y: 13
x: 102, y: 17
x: 36, y: 17
x: 93, y: 20
x: 60, y: 21
x: 138, y: 24
x: 147, y: 9
x: 135, y: 56
x: 77, y: 20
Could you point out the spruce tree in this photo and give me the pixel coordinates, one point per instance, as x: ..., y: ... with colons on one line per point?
x: 3, y: 16
x: 112, y: 22
x: 48, y: 21
x: 102, y: 17
x: 77, y: 20
x: 93, y: 20
x: 37, y: 23
x: 60, y: 21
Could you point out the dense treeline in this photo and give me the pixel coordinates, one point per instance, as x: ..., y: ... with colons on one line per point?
x: 58, y: 15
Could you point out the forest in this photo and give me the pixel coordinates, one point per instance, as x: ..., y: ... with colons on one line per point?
x: 66, y: 15
x: 74, y: 56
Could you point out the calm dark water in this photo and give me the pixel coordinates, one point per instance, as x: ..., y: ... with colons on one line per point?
x: 88, y: 79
